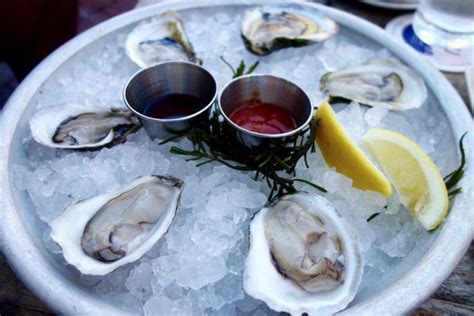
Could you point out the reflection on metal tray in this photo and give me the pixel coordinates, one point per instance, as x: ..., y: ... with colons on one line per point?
x: 394, y: 4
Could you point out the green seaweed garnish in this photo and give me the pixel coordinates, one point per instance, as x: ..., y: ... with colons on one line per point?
x: 239, y: 71
x: 453, y: 178
x: 277, y: 44
x: 372, y: 216
x: 275, y: 163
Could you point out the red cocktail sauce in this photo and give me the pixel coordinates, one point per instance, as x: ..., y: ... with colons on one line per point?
x: 263, y: 118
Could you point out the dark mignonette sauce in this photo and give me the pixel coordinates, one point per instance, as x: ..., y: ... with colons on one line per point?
x: 172, y: 106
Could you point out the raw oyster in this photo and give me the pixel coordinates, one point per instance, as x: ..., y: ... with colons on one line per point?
x: 74, y: 126
x: 102, y: 233
x: 303, y: 257
x: 265, y: 29
x: 159, y: 39
x: 377, y: 82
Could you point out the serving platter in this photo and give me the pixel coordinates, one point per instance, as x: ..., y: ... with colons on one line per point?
x: 23, y: 231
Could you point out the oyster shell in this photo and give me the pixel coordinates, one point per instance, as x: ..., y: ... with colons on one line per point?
x: 266, y: 29
x: 377, y: 83
x: 102, y: 233
x: 75, y: 126
x: 159, y: 39
x: 303, y: 257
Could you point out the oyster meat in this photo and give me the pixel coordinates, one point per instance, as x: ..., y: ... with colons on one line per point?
x: 303, y: 257
x: 266, y: 29
x: 102, y: 233
x: 159, y: 39
x: 377, y: 83
x: 82, y: 127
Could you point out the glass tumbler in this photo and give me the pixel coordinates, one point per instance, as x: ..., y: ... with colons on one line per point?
x: 445, y: 23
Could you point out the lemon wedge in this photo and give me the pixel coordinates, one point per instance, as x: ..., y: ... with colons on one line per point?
x: 415, y: 176
x: 341, y: 152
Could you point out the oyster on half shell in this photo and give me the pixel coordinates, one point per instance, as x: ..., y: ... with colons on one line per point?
x: 160, y: 39
x: 266, y: 29
x: 102, y: 233
x: 383, y: 82
x: 303, y: 257
x: 75, y: 126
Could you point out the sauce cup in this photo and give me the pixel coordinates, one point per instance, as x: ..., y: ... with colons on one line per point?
x: 151, y: 84
x: 267, y: 89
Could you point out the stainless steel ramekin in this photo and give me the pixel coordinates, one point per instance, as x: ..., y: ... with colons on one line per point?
x: 269, y: 89
x: 165, y: 78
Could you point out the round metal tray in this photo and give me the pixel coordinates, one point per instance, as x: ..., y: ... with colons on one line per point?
x: 20, y: 231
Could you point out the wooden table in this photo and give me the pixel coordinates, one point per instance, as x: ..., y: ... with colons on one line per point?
x: 454, y: 297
